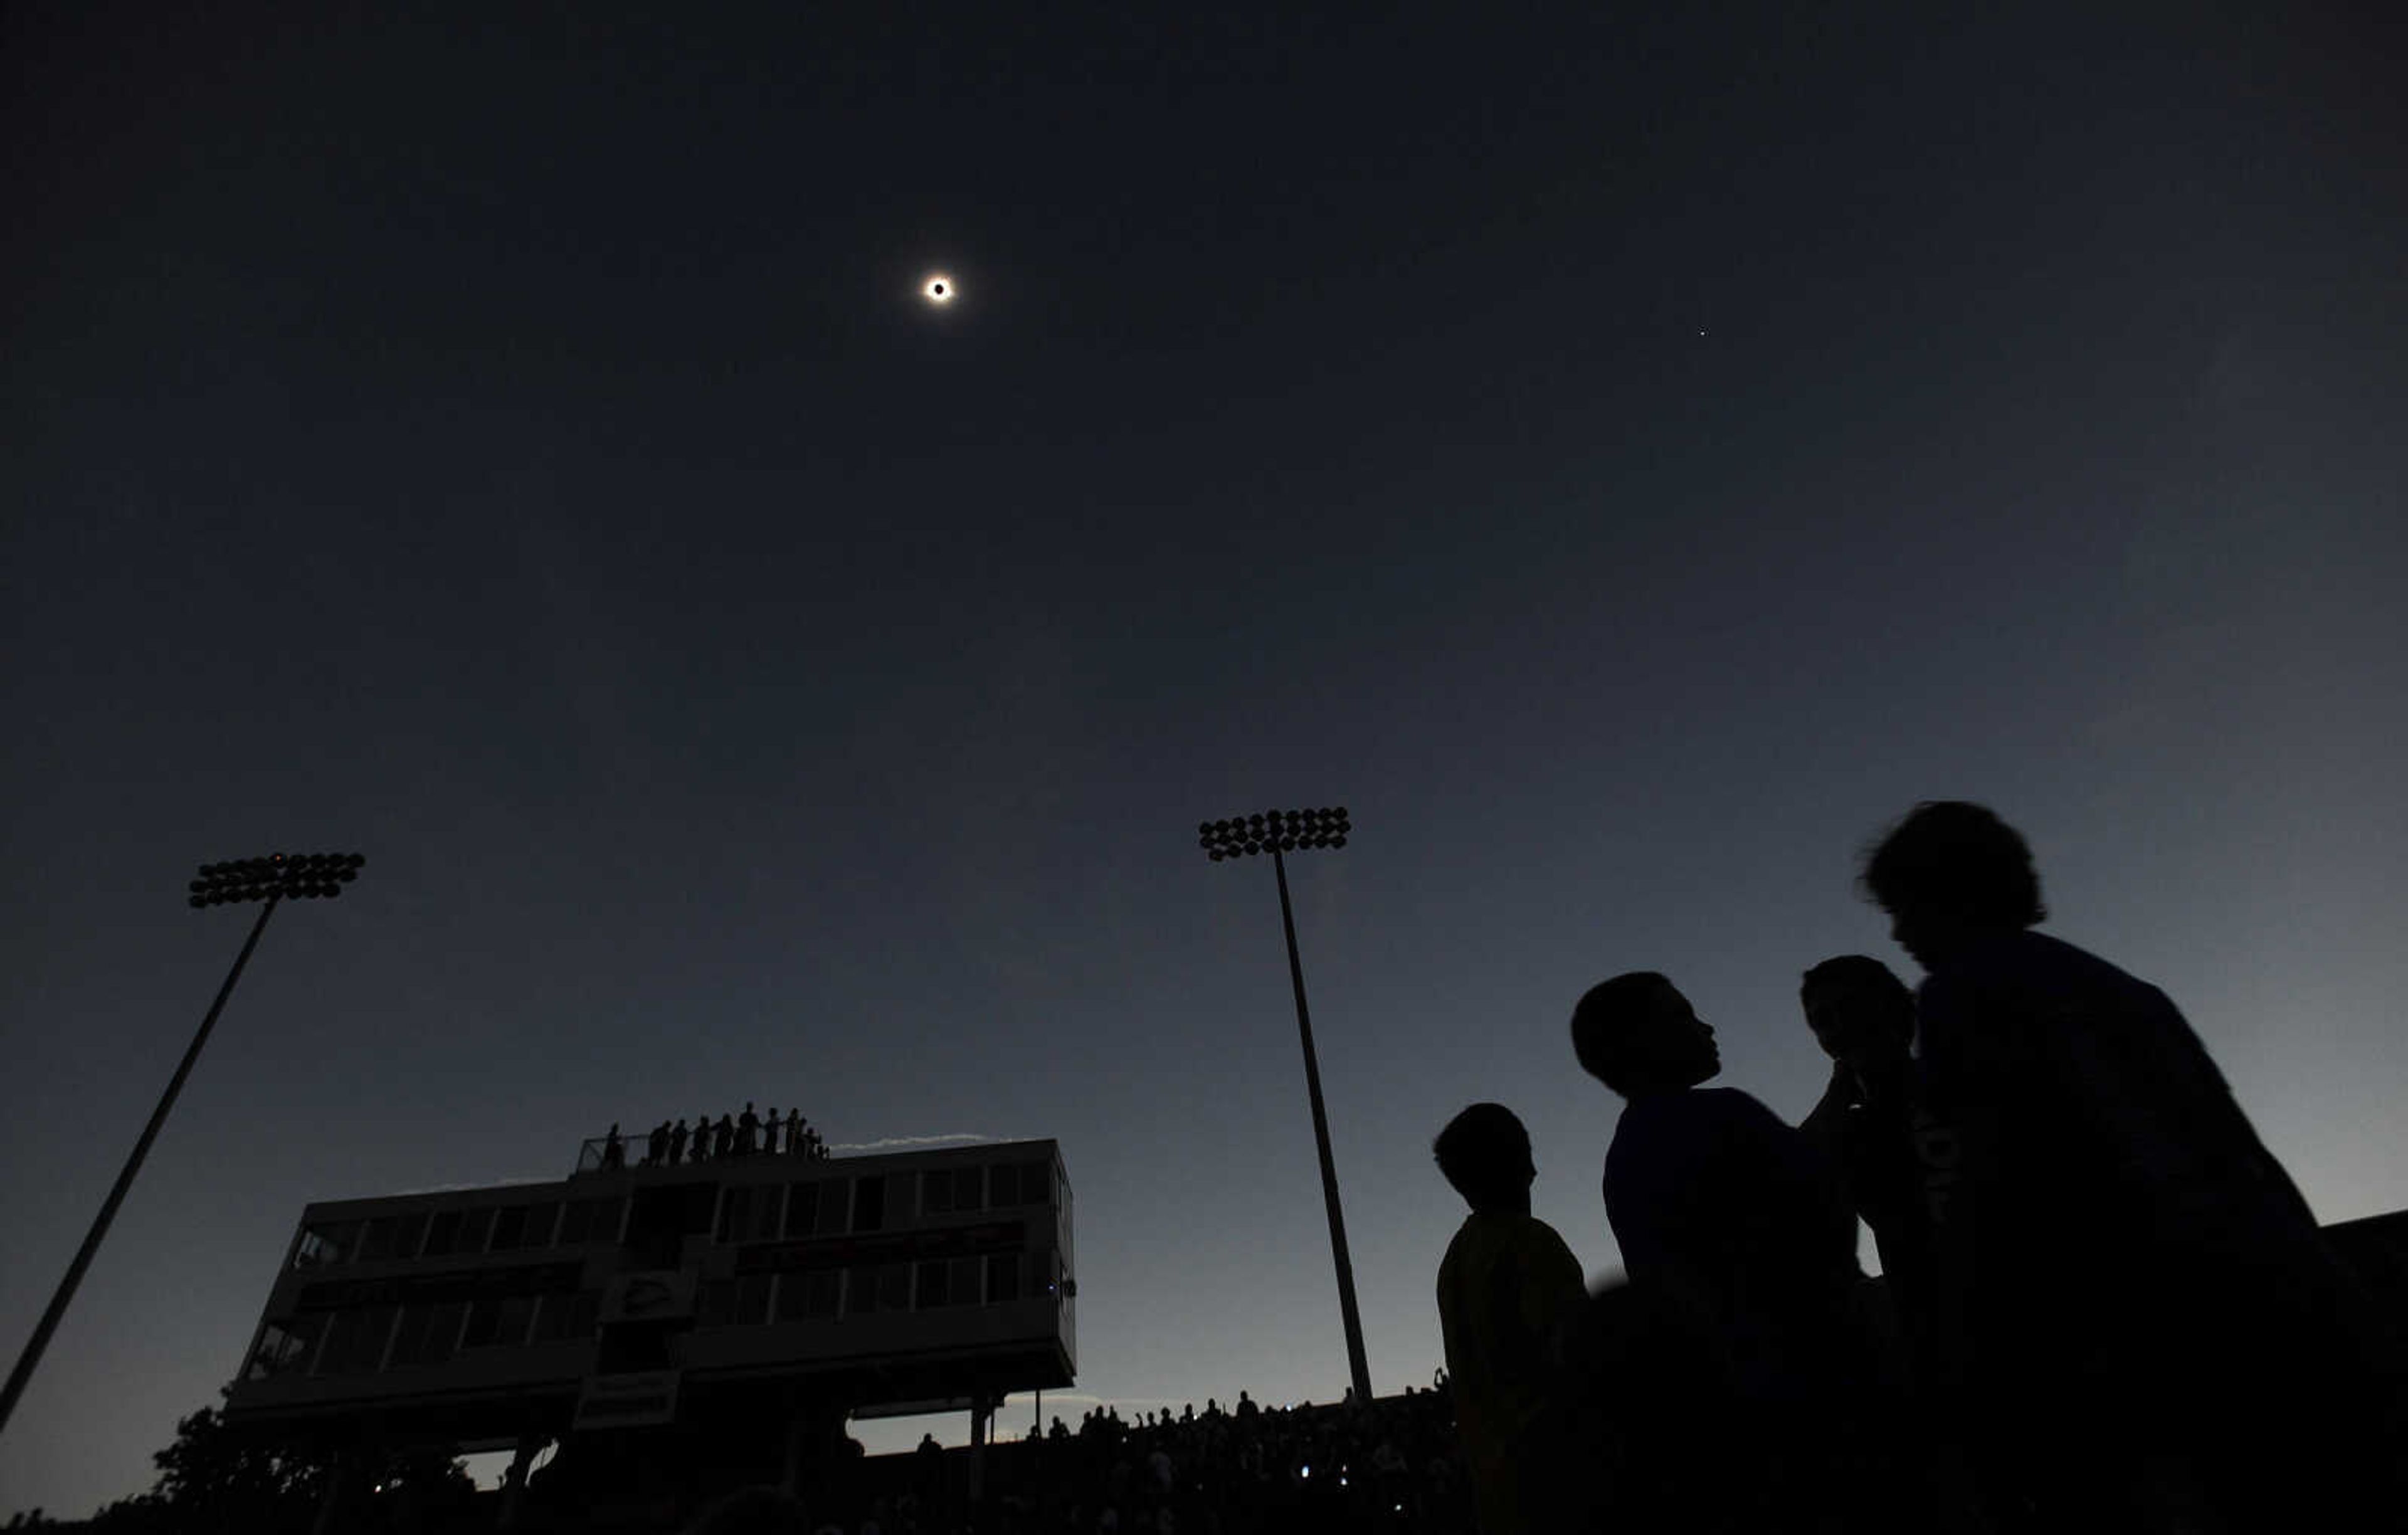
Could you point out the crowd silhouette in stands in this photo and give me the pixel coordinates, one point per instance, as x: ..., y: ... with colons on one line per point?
x: 1236, y: 1470
x: 745, y: 1134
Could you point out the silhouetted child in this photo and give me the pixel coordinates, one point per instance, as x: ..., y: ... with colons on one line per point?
x: 1737, y: 1237
x: 1862, y: 1015
x: 1505, y: 1291
x: 2144, y: 1327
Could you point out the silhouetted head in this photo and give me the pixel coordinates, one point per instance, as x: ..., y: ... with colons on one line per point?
x: 1486, y: 1153
x: 1638, y: 1035
x: 751, y: 1510
x: 1855, y: 1000
x: 1949, y: 874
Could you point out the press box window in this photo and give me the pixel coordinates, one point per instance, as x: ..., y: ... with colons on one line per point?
x: 1035, y: 1182
x: 752, y: 1299
x: 742, y: 1301
x: 428, y: 1333
x: 524, y: 1226
x: 442, y: 1233
x: 1002, y: 1277
x: 326, y: 1243
x: 879, y: 1287
x: 474, y: 1227
x: 816, y: 1209
x: 284, y: 1347
x: 589, y: 1221
x: 869, y: 1204
x: 510, y: 1222
x: 751, y: 1215
x: 949, y: 1282
x: 355, y: 1340
x: 563, y: 1315
x: 952, y: 1190
x: 499, y: 1322
x: 808, y: 1295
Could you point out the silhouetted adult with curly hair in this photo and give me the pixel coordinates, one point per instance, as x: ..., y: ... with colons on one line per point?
x: 2143, y: 1328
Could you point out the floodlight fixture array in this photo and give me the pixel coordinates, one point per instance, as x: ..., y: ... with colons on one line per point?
x: 1273, y: 831
x: 280, y: 876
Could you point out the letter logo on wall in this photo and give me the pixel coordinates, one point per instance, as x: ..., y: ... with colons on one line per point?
x: 657, y: 1294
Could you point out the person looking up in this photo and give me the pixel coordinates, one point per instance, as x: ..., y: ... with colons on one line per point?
x: 1736, y: 1234
x: 1862, y: 1016
x: 1506, y: 1289
x: 2099, y: 1205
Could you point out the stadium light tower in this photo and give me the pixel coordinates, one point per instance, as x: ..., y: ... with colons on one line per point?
x: 270, y: 879
x: 1280, y: 833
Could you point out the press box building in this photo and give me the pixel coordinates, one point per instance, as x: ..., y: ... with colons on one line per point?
x: 628, y: 1296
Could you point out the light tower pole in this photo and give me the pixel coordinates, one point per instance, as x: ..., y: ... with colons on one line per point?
x: 1280, y: 833
x: 270, y: 879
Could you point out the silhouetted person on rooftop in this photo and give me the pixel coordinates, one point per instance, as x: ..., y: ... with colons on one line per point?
x: 794, y: 1132
x: 769, y: 1122
x: 2144, y: 1329
x: 614, y: 1151
x: 747, y: 1131
x: 1506, y: 1289
x: 676, y: 1142
x: 1739, y: 1239
x: 723, y: 1139
x: 656, y: 1144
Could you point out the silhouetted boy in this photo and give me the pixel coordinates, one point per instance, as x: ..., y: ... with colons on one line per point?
x: 1862, y: 1015
x: 2145, y: 1328
x: 1736, y: 1233
x: 1506, y: 1289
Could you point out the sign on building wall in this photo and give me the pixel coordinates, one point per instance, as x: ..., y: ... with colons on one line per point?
x: 627, y: 1401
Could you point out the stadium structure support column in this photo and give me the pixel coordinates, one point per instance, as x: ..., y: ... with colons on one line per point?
x: 273, y: 879
x: 1279, y: 833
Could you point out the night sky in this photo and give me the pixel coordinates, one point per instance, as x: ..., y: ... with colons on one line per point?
x: 1627, y: 461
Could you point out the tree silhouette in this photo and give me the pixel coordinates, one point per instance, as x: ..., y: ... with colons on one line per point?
x: 216, y: 1478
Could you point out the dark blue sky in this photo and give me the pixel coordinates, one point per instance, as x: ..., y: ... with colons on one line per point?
x: 1626, y: 461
